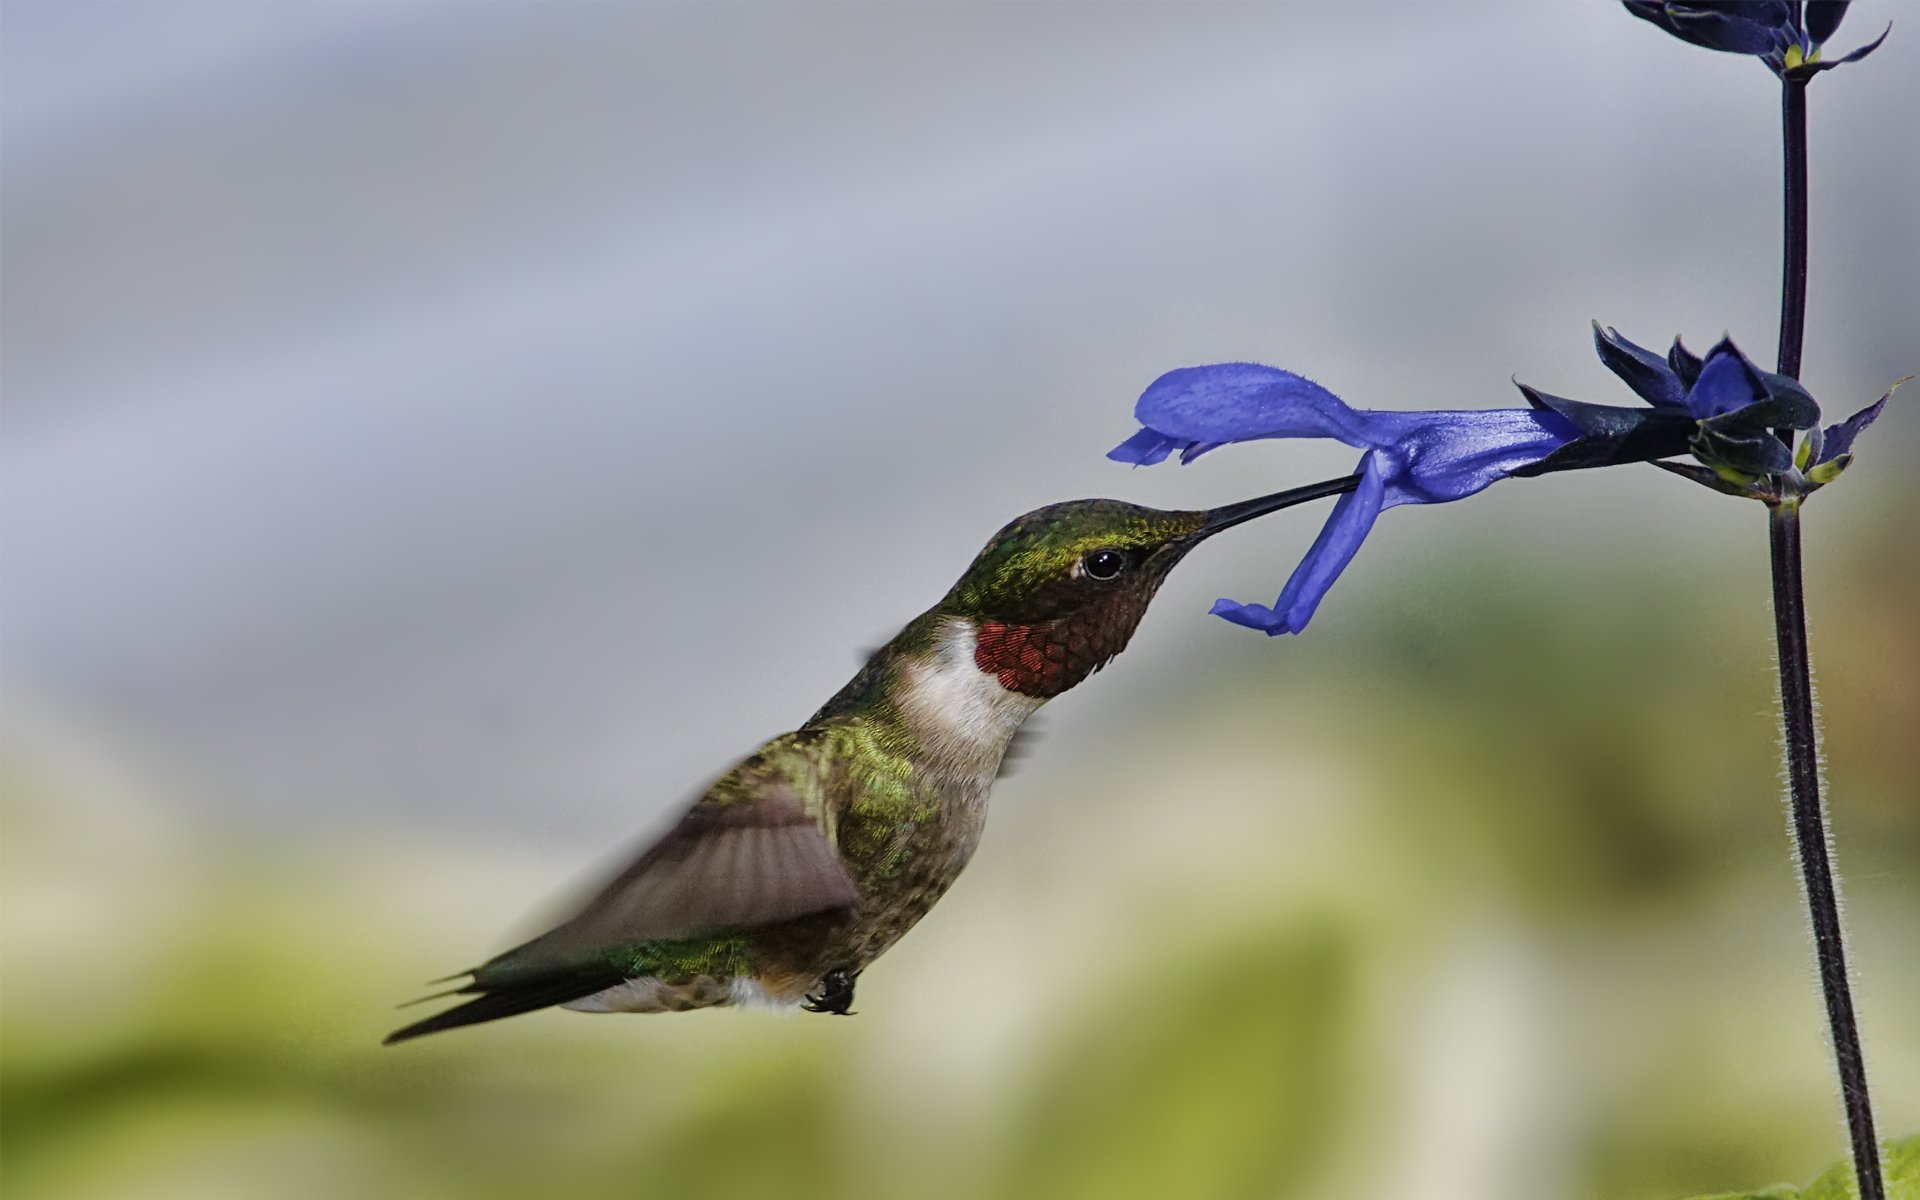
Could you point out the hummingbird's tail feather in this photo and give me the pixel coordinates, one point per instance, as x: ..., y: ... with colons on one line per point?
x: 492, y: 1006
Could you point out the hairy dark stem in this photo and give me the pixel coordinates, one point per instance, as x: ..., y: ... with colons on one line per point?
x: 1810, y: 837
x: 1793, y: 247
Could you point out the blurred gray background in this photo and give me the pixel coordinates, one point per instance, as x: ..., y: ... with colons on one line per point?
x: 452, y: 432
x: 501, y: 415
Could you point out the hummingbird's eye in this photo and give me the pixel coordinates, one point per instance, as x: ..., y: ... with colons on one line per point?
x: 1103, y: 564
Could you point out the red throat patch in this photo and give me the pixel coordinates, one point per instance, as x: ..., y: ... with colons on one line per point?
x: 1046, y: 659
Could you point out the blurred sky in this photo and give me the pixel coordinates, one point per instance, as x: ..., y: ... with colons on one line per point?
x: 459, y: 430
x: 509, y: 412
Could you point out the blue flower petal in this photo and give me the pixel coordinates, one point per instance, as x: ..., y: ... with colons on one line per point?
x: 1237, y: 402
x: 1839, y: 438
x: 1685, y: 363
x: 1739, y: 27
x: 1727, y: 382
x: 1145, y: 448
x: 1823, y: 18
x: 1651, y: 376
x: 1442, y: 456
x: 1428, y: 457
x: 1353, y: 515
x: 1253, y: 616
x: 1828, y: 64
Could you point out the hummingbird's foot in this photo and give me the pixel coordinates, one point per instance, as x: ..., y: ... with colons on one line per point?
x: 836, y: 994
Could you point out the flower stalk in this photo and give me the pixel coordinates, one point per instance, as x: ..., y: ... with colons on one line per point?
x: 1809, y: 818
x: 1809, y: 821
x: 1793, y: 250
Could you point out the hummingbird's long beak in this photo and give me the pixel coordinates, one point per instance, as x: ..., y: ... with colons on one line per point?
x: 1229, y: 515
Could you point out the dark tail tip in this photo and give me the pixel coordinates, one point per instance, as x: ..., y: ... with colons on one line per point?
x: 495, y: 1005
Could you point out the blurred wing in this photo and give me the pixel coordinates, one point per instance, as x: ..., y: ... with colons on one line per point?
x: 730, y: 864
x: 1020, y: 748
x: 724, y: 866
x: 746, y: 855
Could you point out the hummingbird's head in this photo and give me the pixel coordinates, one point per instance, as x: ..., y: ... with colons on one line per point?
x: 1059, y: 591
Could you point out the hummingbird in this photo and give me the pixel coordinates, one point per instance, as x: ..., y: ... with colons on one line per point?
x: 814, y: 855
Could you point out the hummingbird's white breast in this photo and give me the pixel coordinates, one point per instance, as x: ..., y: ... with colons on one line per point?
x: 961, y: 714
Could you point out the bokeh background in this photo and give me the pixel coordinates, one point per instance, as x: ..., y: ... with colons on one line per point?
x: 438, y: 437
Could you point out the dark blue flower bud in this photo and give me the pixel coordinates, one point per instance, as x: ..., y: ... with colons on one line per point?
x: 1685, y: 363
x: 1650, y: 376
x: 1736, y: 26
x: 1823, y: 18
x: 1609, y: 436
x: 1786, y: 36
x: 1739, y: 454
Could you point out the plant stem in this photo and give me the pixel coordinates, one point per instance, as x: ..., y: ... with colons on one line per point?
x: 1810, y: 837
x: 1796, y: 680
x: 1793, y: 249
x: 1796, y: 683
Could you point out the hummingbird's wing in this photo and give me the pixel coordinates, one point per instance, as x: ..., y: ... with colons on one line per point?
x: 732, y: 862
x: 753, y: 851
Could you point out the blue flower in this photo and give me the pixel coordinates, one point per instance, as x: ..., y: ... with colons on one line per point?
x: 1411, y: 457
x: 1727, y: 407
x: 1721, y: 409
x: 1785, y: 34
x: 1743, y: 418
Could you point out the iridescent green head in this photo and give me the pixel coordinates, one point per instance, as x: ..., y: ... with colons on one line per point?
x: 1059, y: 591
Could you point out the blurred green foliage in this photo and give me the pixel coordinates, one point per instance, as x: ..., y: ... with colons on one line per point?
x: 1900, y: 1163
x: 1491, y: 898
